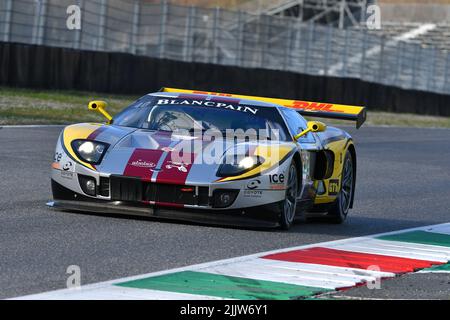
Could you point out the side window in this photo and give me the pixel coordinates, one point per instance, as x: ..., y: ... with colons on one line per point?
x: 296, y: 124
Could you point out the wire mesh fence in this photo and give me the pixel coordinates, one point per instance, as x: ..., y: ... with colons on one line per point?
x: 213, y: 35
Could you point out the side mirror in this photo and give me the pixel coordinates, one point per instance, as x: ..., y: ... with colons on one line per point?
x: 316, y: 126
x: 100, y: 107
x: 312, y: 126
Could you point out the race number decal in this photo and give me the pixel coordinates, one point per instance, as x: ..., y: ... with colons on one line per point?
x: 333, y: 187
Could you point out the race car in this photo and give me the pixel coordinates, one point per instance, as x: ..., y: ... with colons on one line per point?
x: 210, y: 157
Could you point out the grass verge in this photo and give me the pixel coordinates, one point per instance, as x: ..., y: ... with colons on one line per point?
x: 26, y: 106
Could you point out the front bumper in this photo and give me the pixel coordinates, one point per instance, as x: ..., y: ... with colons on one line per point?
x: 258, y: 217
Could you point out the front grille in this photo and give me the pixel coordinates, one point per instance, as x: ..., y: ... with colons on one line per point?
x: 103, y: 189
x: 135, y: 190
x: 126, y: 189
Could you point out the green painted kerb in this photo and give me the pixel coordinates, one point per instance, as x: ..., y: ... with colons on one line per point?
x: 209, y: 284
x: 437, y: 268
x: 423, y: 237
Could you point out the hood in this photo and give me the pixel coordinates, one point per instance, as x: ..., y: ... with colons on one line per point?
x: 164, y: 157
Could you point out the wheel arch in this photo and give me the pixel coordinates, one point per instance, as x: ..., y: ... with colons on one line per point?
x: 352, y: 150
x: 298, y: 161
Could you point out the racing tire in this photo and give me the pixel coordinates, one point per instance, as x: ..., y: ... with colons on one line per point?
x: 339, y: 210
x: 289, y: 204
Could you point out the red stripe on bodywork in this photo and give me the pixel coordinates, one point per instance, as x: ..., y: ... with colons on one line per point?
x: 341, y: 258
x: 169, y: 204
x: 96, y: 132
x: 175, y: 172
x: 142, y: 162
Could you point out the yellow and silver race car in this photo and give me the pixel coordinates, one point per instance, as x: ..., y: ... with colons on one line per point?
x: 211, y: 158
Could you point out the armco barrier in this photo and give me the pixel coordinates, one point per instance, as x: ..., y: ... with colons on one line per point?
x: 34, y: 66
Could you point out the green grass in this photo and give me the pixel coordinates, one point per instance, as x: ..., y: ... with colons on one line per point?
x: 26, y: 106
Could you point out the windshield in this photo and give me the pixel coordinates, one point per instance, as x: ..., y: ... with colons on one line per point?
x: 174, y: 114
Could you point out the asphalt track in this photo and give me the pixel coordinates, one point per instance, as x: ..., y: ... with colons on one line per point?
x: 403, y: 182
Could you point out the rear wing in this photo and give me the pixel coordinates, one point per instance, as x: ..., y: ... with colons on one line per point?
x: 305, y: 108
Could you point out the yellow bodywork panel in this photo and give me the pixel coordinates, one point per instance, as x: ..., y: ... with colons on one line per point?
x: 78, y: 131
x: 333, y: 184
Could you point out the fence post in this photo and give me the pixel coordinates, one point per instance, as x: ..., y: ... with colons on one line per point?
x: 77, y: 42
x: 307, y: 45
x: 363, y: 57
x: 344, y: 63
x: 430, y: 78
x: 39, y: 21
x: 8, y: 14
x: 363, y: 8
x: 240, y: 39
x: 341, y: 14
x: 42, y: 21
x: 397, y: 63
x: 189, y: 35
x: 264, y: 38
x: 299, y: 28
x: 215, y: 32
x: 287, y: 53
x: 380, y: 59
x: 415, y: 65
x: 445, y: 88
x: 102, y: 25
x: 162, y: 30
x: 326, y: 57
x: 301, y: 4
x: 135, y: 28
x: 36, y: 22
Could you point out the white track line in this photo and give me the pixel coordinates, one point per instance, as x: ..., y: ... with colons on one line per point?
x: 117, y: 293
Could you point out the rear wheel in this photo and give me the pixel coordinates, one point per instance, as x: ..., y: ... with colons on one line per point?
x: 339, y: 210
x: 289, y: 204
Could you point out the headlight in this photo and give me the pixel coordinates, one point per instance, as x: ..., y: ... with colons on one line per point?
x: 89, y: 151
x: 240, y: 166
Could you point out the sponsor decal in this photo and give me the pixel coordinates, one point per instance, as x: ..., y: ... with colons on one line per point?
x: 315, y: 106
x: 209, y: 103
x: 58, y: 156
x: 176, y: 165
x: 68, y: 166
x: 176, y: 168
x: 276, y: 178
x: 277, y: 187
x: 67, y: 175
x: 142, y: 164
x: 333, y: 187
x: 253, y: 193
x: 254, y: 184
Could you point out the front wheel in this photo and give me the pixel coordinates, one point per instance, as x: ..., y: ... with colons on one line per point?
x: 339, y: 210
x: 289, y: 204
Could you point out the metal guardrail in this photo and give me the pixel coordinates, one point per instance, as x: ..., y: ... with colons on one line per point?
x: 226, y: 37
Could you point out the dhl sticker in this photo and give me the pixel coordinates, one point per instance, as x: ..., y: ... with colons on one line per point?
x: 314, y: 106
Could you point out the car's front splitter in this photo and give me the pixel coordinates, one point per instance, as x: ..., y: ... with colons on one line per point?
x: 257, y: 217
